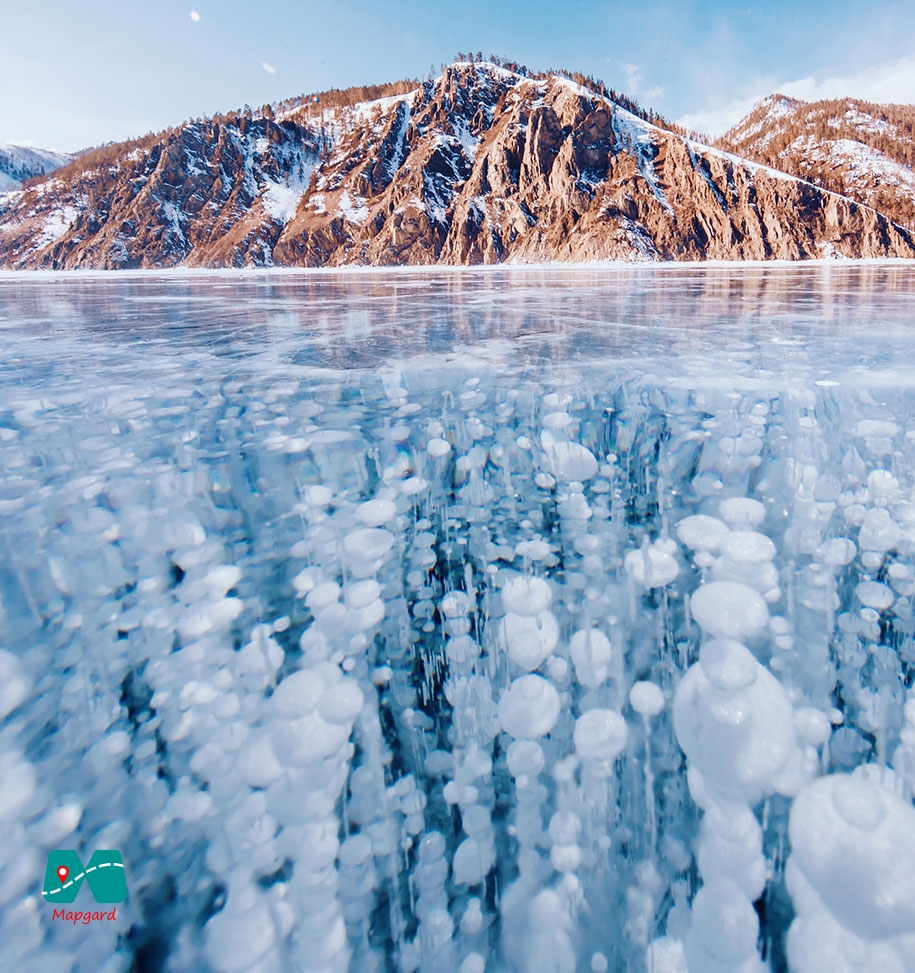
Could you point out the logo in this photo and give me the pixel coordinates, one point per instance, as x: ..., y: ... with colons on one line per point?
x: 64, y: 878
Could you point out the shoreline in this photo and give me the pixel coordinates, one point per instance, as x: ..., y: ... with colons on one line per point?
x: 615, y: 266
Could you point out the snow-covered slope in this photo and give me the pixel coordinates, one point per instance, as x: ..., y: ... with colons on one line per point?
x: 21, y: 162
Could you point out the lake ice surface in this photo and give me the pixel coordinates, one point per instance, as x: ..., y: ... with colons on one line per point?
x: 533, y: 620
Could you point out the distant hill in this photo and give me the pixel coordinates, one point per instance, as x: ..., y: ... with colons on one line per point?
x: 859, y: 149
x: 485, y: 164
x: 19, y: 163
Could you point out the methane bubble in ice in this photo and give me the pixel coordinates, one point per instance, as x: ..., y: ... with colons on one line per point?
x: 728, y: 609
x: 742, y: 513
x: 702, y: 533
x: 734, y: 722
x: 571, y: 461
x: 853, y: 845
x: 529, y: 708
x: 591, y: 655
x: 652, y: 566
x: 600, y: 734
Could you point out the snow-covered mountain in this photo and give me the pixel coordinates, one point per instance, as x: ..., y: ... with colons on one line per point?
x: 21, y: 162
x: 859, y: 149
x: 481, y: 165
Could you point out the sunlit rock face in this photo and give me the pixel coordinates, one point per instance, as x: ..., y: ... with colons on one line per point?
x: 470, y: 661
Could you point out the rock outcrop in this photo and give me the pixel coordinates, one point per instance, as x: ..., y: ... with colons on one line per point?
x: 482, y: 165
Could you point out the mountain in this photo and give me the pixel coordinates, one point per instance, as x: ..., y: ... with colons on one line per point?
x: 852, y: 147
x: 21, y: 162
x: 481, y: 165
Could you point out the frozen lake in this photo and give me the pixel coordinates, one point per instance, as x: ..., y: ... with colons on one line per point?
x: 530, y: 620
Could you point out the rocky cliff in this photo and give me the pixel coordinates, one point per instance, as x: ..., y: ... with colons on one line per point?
x: 482, y: 165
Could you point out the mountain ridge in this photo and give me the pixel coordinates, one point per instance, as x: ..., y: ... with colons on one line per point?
x: 860, y: 149
x: 481, y: 165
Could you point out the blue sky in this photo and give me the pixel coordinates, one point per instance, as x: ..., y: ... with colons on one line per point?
x: 74, y: 74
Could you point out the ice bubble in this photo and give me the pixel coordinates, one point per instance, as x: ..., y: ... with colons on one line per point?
x: 413, y: 485
x: 535, y: 549
x: 529, y: 641
x: 461, y: 650
x: 878, y: 531
x: 237, y: 941
x: 374, y: 513
x: 724, y: 929
x: 651, y: 566
x: 300, y: 692
x: 882, y: 483
x: 728, y: 609
x: 472, y: 921
x: 853, y: 839
x: 544, y: 481
x: 838, y: 552
x: 702, y: 533
x: 361, y: 594
x: 529, y: 707
x: 747, y: 547
x: 318, y: 495
x: 341, y: 703
x: 812, y: 726
x: 308, y: 739
x: 591, y: 655
x: 875, y: 427
x: 665, y: 955
x: 874, y: 595
x: 526, y: 596
x: 366, y: 549
x: 257, y: 762
x: 438, y: 447
x: 472, y: 861
x: 304, y: 581
x: 476, y: 821
x: 570, y: 461
x: 557, y: 400
x: 322, y: 595
x: 223, y: 578
x: 599, y: 963
x: 731, y: 847
x: 564, y: 828
x: 201, y: 619
x: 473, y: 963
x: 741, y: 512
x: 600, y: 734
x: 728, y: 664
x: 525, y: 758
x: 734, y: 722
x: 14, y: 684
x: 557, y: 420
x: 646, y: 699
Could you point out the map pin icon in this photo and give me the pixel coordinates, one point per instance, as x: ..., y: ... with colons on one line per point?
x: 62, y: 873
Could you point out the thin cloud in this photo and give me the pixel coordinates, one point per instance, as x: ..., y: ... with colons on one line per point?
x: 634, y: 85
x: 269, y: 68
x: 195, y: 16
x: 885, y: 83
